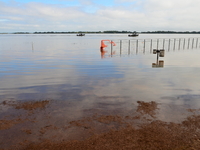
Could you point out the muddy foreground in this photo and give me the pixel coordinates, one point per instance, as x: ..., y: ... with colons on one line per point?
x: 35, y: 125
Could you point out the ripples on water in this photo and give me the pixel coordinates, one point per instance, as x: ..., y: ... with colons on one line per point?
x: 70, y: 68
x: 51, y: 84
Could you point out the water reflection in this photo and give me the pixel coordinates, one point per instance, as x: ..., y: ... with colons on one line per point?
x: 63, y: 68
x: 103, y: 53
x: 159, y: 63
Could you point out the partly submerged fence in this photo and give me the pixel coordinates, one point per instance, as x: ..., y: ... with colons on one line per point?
x: 147, y: 45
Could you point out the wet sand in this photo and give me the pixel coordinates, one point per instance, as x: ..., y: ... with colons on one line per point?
x: 34, y: 125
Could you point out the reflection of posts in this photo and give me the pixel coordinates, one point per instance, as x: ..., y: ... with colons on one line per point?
x: 159, y: 63
x: 103, y: 52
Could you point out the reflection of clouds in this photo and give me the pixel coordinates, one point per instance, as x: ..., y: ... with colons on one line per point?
x: 42, y: 77
x: 172, y: 112
x: 183, y: 58
x: 76, y: 62
x: 71, y: 72
x: 148, y: 84
x: 188, y: 100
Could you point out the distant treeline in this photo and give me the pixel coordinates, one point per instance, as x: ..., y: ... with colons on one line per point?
x: 21, y: 33
x: 72, y: 32
x: 173, y: 32
x: 82, y: 32
x: 117, y: 31
x: 65, y: 32
x: 111, y: 32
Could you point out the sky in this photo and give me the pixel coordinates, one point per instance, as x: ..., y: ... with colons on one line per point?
x: 99, y: 15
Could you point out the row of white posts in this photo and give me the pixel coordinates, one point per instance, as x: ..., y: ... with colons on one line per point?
x: 144, y: 45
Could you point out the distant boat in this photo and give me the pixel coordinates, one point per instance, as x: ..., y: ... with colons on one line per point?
x: 133, y: 34
x: 80, y: 34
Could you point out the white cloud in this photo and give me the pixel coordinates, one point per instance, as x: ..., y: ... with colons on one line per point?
x: 139, y: 15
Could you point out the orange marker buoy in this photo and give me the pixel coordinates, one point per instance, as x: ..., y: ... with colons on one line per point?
x: 104, y: 45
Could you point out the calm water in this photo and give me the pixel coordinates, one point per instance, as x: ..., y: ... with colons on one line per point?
x: 70, y: 68
x: 81, y: 82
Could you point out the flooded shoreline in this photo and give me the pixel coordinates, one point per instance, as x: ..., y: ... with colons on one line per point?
x: 38, y: 125
x: 61, y: 91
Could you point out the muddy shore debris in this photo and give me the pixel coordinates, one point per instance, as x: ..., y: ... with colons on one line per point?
x: 140, y: 131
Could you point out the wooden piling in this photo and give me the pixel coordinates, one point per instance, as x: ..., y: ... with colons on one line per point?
x: 157, y: 43
x: 169, y: 45
x: 188, y: 43
x: 120, y: 47
x: 192, y: 43
x: 151, y: 47
x: 174, y: 43
x: 184, y: 44
x: 179, y: 44
x: 163, y: 43
x: 136, y: 46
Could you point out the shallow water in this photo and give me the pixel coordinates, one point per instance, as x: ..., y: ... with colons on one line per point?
x: 71, y: 68
x: 79, y: 82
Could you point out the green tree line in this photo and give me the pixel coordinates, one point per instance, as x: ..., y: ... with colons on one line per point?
x: 111, y: 32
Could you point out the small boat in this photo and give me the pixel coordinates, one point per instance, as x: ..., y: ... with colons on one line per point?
x: 133, y: 34
x: 80, y: 34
